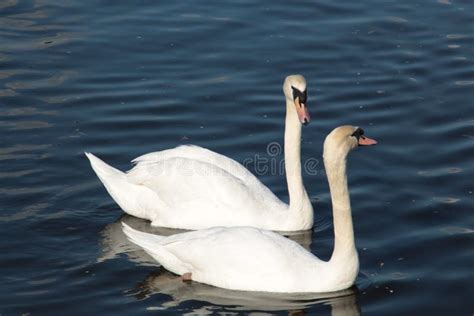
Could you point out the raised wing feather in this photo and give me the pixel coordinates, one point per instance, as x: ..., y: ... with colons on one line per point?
x: 201, y: 154
x: 193, y: 178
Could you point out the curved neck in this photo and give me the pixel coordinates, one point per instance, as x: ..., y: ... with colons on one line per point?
x: 344, y: 244
x: 298, y: 196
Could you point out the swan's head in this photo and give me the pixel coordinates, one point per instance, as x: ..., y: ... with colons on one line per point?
x: 294, y: 88
x: 345, y: 138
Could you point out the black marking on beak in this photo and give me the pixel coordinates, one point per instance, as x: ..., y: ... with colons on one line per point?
x: 301, y: 95
x: 358, y: 133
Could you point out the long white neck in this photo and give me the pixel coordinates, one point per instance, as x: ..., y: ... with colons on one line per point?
x: 344, y: 244
x: 299, y: 200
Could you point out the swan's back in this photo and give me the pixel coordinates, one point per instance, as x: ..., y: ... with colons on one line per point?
x: 198, y: 154
x: 198, y: 184
x: 240, y: 258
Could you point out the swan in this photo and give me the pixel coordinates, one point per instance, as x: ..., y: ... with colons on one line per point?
x: 253, y: 259
x: 190, y: 187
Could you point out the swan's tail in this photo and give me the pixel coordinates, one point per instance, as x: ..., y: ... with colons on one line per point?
x: 145, y: 240
x: 114, y: 180
x: 155, y: 246
x: 134, y: 199
x: 152, y: 245
x: 103, y: 170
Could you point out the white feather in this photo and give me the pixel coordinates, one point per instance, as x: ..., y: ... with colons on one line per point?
x: 190, y: 187
x: 252, y: 259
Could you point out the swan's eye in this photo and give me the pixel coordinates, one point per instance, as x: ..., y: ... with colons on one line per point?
x: 298, y: 94
x: 358, y: 133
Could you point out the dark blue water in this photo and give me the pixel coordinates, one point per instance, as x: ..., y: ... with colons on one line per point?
x: 121, y: 79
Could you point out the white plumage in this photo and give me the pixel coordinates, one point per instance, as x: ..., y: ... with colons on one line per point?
x: 190, y: 187
x: 252, y: 259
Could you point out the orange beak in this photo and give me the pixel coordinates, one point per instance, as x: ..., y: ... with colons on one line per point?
x: 365, y: 141
x: 302, y: 111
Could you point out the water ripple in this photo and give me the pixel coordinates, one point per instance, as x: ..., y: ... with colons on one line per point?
x: 121, y: 79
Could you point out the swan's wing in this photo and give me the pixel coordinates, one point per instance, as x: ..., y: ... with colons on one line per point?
x: 187, y: 183
x: 192, y: 180
x: 227, y: 248
x: 240, y: 257
x: 197, y: 153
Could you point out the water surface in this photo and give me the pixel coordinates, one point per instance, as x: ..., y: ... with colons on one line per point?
x: 123, y: 79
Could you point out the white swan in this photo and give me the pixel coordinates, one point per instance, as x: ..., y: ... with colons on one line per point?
x: 190, y: 187
x: 252, y: 259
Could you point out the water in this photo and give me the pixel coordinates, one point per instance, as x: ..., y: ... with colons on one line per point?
x: 122, y: 79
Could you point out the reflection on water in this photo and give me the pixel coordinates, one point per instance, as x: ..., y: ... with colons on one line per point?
x: 24, y: 125
x: 114, y: 242
x: 27, y: 212
x: 343, y: 303
x: 26, y: 111
x: 56, y: 79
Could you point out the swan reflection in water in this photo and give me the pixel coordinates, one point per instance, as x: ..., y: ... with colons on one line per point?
x: 114, y: 242
x: 343, y: 303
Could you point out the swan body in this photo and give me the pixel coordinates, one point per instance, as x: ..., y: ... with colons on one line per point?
x: 190, y: 187
x: 253, y: 259
x: 243, y: 258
